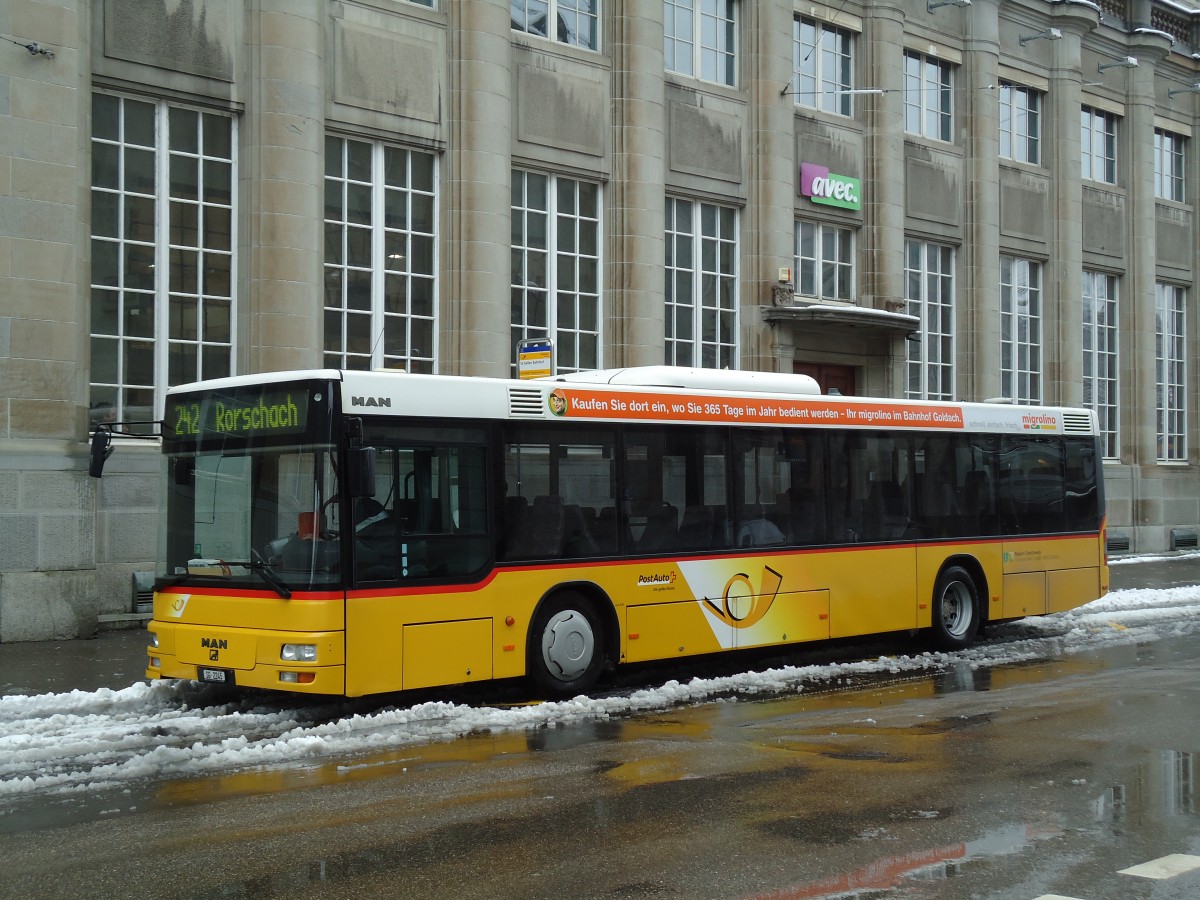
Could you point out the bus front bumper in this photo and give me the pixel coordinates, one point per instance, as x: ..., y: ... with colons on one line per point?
x: 312, y: 663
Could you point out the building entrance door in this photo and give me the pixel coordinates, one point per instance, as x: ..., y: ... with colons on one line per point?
x: 832, y: 379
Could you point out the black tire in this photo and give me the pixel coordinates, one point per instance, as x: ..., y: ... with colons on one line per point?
x: 566, y: 647
x: 956, y: 616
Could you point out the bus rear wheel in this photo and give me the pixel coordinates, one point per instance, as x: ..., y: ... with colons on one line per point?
x: 566, y: 647
x: 955, y: 609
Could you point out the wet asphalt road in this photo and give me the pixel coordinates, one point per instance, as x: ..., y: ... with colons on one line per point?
x: 1019, y: 781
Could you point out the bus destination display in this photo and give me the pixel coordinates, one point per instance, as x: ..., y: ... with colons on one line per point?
x: 261, y: 414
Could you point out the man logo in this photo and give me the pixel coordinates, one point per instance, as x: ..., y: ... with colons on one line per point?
x: 371, y: 401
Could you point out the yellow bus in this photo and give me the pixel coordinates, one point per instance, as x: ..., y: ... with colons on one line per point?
x: 353, y: 533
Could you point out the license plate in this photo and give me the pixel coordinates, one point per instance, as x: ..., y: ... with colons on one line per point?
x: 216, y: 676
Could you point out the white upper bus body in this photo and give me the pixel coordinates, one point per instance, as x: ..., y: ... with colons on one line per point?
x: 660, y: 394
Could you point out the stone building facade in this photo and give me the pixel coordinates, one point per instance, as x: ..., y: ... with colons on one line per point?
x: 916, y: 198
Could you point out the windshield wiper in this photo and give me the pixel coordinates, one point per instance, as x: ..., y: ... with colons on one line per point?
x: 256, y: 564
x: 264, y: 570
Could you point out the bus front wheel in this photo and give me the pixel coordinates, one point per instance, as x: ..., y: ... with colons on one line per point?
x: 566, y: 647
x: 955, y: 609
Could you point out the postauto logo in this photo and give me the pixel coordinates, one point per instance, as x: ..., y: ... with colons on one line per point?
x: 821, y: 186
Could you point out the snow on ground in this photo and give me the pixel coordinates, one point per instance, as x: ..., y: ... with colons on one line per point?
x: 85, y: 741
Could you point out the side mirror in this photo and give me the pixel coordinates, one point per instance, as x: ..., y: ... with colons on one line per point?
x: 100, y: 450
x: 360, y: 471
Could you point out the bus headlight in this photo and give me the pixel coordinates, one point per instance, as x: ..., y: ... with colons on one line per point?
x: 153, y: 640
x: 299, y: 653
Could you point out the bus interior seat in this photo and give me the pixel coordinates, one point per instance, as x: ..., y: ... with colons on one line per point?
x: 662, y: 527
x: 887, y: 516
x: 513, y: 511
x: 577, y: 538
x: 606, y: 530
x: 796, y: 515
x: 542, y: 535
x: 978, y: 501
x: 695, y: 528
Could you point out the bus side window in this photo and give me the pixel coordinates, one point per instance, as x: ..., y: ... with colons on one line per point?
x: 1032, y: 485
x: 1082, y: 496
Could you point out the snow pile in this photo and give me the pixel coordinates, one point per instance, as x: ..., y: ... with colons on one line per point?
x: 87, y: 741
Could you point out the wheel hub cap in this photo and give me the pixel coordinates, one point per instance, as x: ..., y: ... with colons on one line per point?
x: 568, y: 645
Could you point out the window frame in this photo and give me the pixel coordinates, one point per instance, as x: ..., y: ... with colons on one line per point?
x: 383, y: 242
x: 570, y: 356
x: 686, y: 277
x: 702, y: 59
x: 192, y: 287
x: 1170, y: 166
x: 1101, y: 356
x: 1098, y: 145
x: 1020, y: 104
x: 555, y: 12
x: 813, y: 61
x: 1170, y: 352
x: 931, y: 114
x: 1021, y: 333
x: 929, y: 295
x: 813, y: 272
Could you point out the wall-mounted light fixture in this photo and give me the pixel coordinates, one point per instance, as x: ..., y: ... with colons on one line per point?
x: 931, y: 5
x: 1050, y: 34
x: 1128, y: 62
x: 1194, y: 89
x: 839, y: 92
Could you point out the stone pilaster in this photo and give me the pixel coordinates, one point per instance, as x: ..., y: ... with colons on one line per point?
x: 768, y: 236
x: 977, y: 366
x: 476, y: 186
x: 282, y: 170
x: 634, y: 303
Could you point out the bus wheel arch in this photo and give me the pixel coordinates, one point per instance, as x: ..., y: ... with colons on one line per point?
x: 958, y: 603
x: 571, y: 639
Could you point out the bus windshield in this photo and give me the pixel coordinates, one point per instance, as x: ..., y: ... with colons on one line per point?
x: 252, y: 486
x: 266, y: 514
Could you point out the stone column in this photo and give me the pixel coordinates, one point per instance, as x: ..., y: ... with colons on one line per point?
x: 768, y: 226
x: 1138, y: 303
x: 476, y: 185
x: 882, y: 274
x: 1062, y: 286
x: 977, y: 347
x: 282, y: 139
x: 634, y: 304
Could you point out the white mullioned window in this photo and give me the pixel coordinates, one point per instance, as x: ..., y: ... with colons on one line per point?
x: 555, y: 274
x: 823, y: 68
x: 1098, y: 142
x: 575, y: 22
x: 1168, y: 166
x: 701, y: 284
x: 824, y: 261
x: 929, y: 293
x: 1021, y: 329
x: 1020, y: 123
x: 1100, y: 356
x: 164, y: 261
x: 1171, y: 372
x: 928, y: 96
x: 700, y: 39
x: 380, y: 256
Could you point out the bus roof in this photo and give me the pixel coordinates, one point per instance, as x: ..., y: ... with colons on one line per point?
x: 663, y: 394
